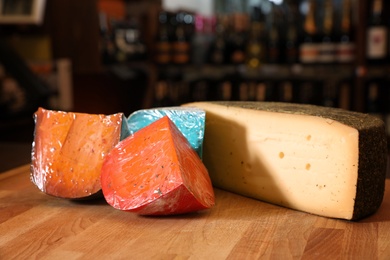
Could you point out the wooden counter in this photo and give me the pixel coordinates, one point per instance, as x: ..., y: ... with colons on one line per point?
x: 36, y: 226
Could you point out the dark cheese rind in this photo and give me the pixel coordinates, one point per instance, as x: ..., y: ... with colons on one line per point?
x: 372, y: 147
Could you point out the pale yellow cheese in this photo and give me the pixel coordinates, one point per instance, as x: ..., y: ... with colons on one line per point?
x: 304, y: 162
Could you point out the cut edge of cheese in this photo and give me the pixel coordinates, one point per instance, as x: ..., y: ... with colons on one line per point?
x: 320, y: 160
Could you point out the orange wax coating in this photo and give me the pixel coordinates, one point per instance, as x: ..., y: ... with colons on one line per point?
x: 156, y: 172
x: 68, y: 151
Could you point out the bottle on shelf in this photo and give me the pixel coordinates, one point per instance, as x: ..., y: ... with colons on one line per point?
x: 200, y: 89
x: 310, y: 92
x: 106, y: 40
x: 163, y: 43
x: 261, y: 88
x: 217, y: 54
x: 188, y: 19
x: 291, y: 42
x: 309, y: 48
x: 330, y: 97
x: 236, y: 79
x: 274, y: 39
x: 346, y: 47
x: 180, y: 43
x: 243, y: 91
x: 286, y: 91
x: 271, y: 91
x: 128, y: 42
x: 345, y: 88
x: 327, y: 46
x: 205, y: 41
x: 255, y: 52
x: 377, y: 35
x: 252, y: 89
x: 161, y: 93
x: 237, y: 38
x: 224, y: 91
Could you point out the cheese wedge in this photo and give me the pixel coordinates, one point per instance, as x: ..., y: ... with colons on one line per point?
x: 324, y: 161
x: 190, y: 121
x: 156, y: 172
x: 68, y: 151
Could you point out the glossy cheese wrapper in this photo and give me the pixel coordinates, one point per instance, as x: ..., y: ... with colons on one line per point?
x: 190, y: 121
x: 69, y: 148
x: 325, y: 161
x: 155, y: 171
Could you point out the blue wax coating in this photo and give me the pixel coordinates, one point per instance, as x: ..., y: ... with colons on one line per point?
x: 189, y: 120
x: 125, y: 131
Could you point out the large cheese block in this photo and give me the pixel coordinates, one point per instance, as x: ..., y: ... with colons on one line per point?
x: 323, y: 161
x: 190, y: 122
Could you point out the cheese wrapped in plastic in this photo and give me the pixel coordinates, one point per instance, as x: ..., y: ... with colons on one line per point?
x: 69, y: 148
x: 189, y: 120
x: 155, y: 171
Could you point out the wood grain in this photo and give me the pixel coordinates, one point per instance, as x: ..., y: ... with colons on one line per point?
x: 35, y: 225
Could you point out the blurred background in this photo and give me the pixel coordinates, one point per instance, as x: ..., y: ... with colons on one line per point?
x: 109, y: 56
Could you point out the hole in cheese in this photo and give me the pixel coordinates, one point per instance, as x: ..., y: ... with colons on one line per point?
x: 308, y: 166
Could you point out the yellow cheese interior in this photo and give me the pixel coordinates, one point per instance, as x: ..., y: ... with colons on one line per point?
x: 302, y: 162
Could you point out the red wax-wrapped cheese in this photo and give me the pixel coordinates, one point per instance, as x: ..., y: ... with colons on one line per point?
x: 156, y: 172
x: 68, y: 151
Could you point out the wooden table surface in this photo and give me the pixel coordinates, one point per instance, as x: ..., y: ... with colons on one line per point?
x: 36, y: 226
